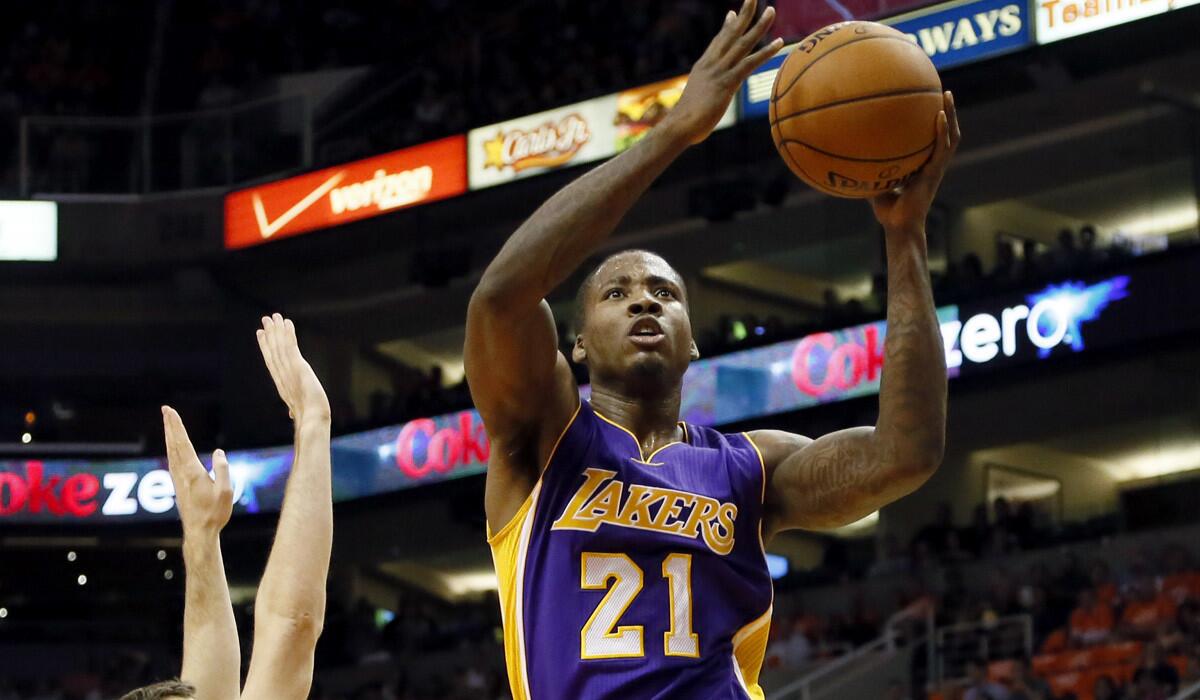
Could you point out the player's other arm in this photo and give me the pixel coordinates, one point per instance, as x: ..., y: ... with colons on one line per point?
x: 289, y: 611
x: 211, y: 658
x: 519, y: 382
x: 841, y: 477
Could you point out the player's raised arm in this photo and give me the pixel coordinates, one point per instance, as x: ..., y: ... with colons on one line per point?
x: 289, y: 610
x: 211, y: 658
x: 519, y: 382
x: 843, y: 476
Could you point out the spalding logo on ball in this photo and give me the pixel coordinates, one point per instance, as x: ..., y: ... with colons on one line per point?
x: 854, y: 109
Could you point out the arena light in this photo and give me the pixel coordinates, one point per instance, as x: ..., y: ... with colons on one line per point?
x: 1164, y: 221
x: 1170, y: 458
x: 468, y: 582
x: 29, y: 231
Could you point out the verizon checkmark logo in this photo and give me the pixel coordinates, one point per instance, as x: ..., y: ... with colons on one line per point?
x: 270, y: 228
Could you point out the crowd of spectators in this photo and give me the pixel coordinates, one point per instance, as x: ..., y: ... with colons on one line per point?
x: 1144, y: 603
x: 1147, y: 605
x: 437, y: 67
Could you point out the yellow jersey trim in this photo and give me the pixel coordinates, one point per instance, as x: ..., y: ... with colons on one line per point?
x: 491, y: 538
x: 762, y: 463
x: 509, y: 552
x: 750, y: 642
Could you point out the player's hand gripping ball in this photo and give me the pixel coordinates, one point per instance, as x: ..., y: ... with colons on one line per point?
x: 854, y: 109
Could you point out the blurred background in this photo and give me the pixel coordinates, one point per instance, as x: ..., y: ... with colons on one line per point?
x: 173, y: 171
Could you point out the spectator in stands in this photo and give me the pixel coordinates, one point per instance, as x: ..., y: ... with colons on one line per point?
x: 1031, y: 265
x: 1182, y: 581
x: 1187, y: 622
x: 969, y: 277
x: 936, y: 535
x: 1103, y: 585
x: 1072, y: 578
x: 1065, y: 258
x: 955, y: 552
x: 1091, y: 621
x: 978, y: 685
x: 1089, y: 254
x: 1026, y: 685
x: 1005, y: 271
x: 1147, y: 612
x: 1105, y: 688
x: 978, y: 535
x: 892, y: 560
x: 1154, y: 679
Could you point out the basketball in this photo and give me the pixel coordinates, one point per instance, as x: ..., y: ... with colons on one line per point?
x: 854, y: 107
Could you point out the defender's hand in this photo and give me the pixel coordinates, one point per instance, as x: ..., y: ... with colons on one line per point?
x: 205, y: 503
x: 905, y: 211
x: 721, y: 70
x: 294, y: 378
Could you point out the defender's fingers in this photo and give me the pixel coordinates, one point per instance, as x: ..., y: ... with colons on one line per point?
x: 180, y: 453
x: 264, y: 346
x: 274, y: 328
x: 293, y: 345
x: 221, y: 472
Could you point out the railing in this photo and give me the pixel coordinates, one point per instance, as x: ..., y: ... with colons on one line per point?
x: 1191, y: 692
x: 64, y: 155
x: 1006, y: 637
x: 897, y: 633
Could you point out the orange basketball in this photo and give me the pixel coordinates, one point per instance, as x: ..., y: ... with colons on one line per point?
x: 854, y: 109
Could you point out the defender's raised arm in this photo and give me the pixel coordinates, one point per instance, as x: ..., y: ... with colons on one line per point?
x: 289, y: 611
x: 211, y: 654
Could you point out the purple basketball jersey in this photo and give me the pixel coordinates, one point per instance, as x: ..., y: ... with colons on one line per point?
x: 627, y: 576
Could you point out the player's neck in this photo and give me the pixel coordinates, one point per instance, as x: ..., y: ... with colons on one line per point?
x: 653, y: 420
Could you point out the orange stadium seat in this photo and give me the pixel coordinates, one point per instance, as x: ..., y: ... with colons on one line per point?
x: 1120, y: 653
x: 1002, y: 671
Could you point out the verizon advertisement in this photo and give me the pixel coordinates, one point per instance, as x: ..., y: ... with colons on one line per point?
x: 346, y: 193
x: 1017, y: 330
x: 558, y: 138
x: 1063, y: 19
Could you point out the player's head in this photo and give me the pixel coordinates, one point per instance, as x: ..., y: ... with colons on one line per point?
x: 632, y: 320
x: 167, y: 690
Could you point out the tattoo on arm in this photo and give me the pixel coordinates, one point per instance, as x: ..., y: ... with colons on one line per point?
x: 912, y: 396
x: 846, y: 475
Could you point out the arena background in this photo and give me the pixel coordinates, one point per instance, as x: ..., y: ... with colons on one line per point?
x: 175, y: 170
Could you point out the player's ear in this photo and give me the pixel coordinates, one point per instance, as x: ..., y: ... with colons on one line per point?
x: 694, y: 352
x: 579, y: 352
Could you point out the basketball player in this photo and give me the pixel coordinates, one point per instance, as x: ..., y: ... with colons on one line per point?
x: 289, y: 610
x: 628, y: 545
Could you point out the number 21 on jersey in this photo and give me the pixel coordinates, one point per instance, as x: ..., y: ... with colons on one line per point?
x: 603, y: 637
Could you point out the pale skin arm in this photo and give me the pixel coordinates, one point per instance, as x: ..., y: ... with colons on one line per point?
x: 846, y: 475
x: 211, y: 656
x: 289, y: 610
x: 511, y: 345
